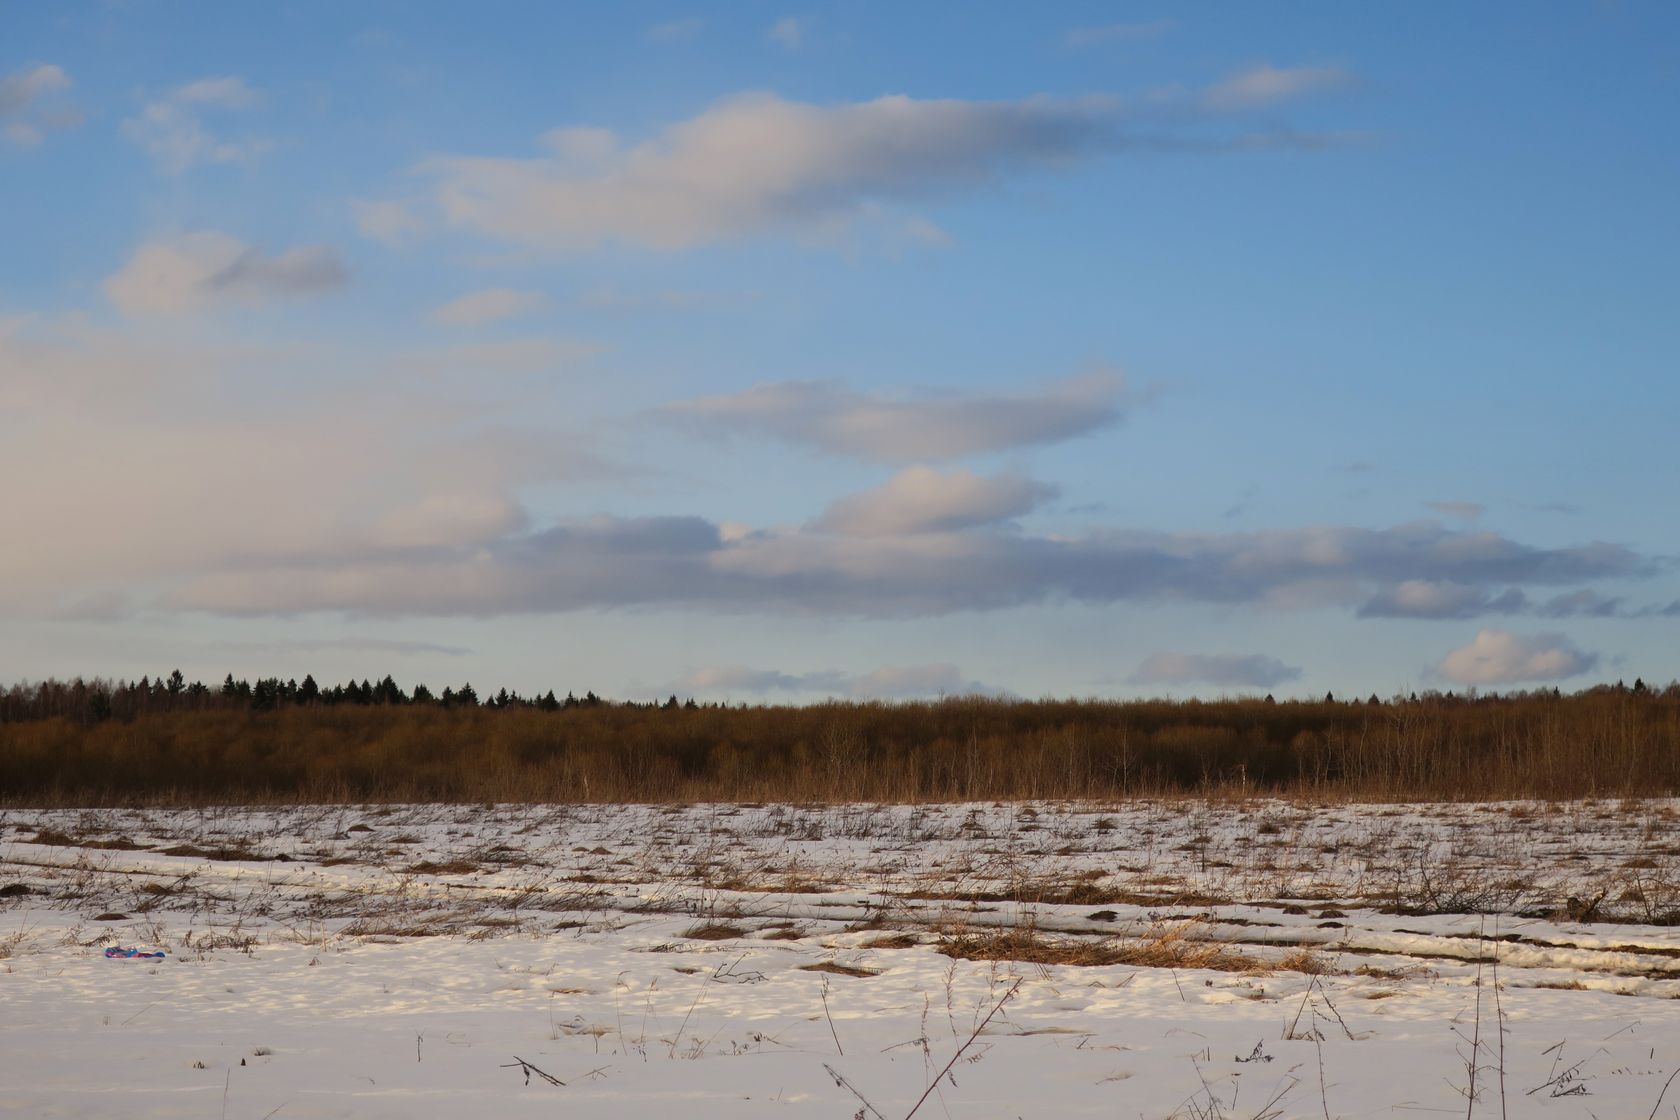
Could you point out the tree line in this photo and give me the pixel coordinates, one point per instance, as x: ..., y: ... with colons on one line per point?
x: 93, y: 701
x: 96, y: 742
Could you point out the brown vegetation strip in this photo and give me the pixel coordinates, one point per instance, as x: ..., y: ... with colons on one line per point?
x: 1164, y: 948
x: 839, y: 969
x: 56, y: 748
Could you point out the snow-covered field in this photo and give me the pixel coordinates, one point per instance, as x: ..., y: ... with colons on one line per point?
x: 1146, y: 959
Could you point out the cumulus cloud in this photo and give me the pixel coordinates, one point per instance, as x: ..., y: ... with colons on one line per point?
x: 1223, y: 669
x: 22, y: 116
x: 487, y: 306
x: 1498, y: 657
x: 753, y: 164
x: 888, y: 683
x: 922, y: 500
x: 880, y: 428
x: 199, y: 271
x: 172, y: 129
x: 757, y: 164
x: 1266, y: 85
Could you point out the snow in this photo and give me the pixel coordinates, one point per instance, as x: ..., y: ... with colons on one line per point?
x: 404, y: 961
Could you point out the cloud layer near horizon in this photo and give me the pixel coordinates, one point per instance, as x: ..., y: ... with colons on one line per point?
x: 260, y: 501
x: 692, y: 562
x: 832, y: 418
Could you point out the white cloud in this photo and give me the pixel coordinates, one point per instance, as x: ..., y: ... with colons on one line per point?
x: 487, y: 306
x: 931, y: 427
x: 172, y: 129
x: 1500, y: 657
x: 1224, y: 669
x: 391, y: 223
x: 888, y: 683
x: 21, y: 118
x: 790, y: 31
x: 1117, y: 33
x: 755, y: 164
x: 183, y: 456
x: 922, y: 500
x: 198, y: 271
x: 1263, y: 85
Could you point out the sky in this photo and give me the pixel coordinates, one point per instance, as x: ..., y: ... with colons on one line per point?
x: 768, y: 353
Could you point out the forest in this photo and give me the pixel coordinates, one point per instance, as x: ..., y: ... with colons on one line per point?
x: 165, y: 740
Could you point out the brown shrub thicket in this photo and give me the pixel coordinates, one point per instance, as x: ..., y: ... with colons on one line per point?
x: 1606, y: 741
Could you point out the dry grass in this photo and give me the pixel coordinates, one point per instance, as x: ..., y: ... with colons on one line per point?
x: 445, y: 867
x: 837, y: 969
x: 1027, y: 946
x: 892, y: 941
x: 1175, y: 946
x: 227, y: 853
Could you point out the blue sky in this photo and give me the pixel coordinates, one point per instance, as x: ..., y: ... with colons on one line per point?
x: 765, y: 352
